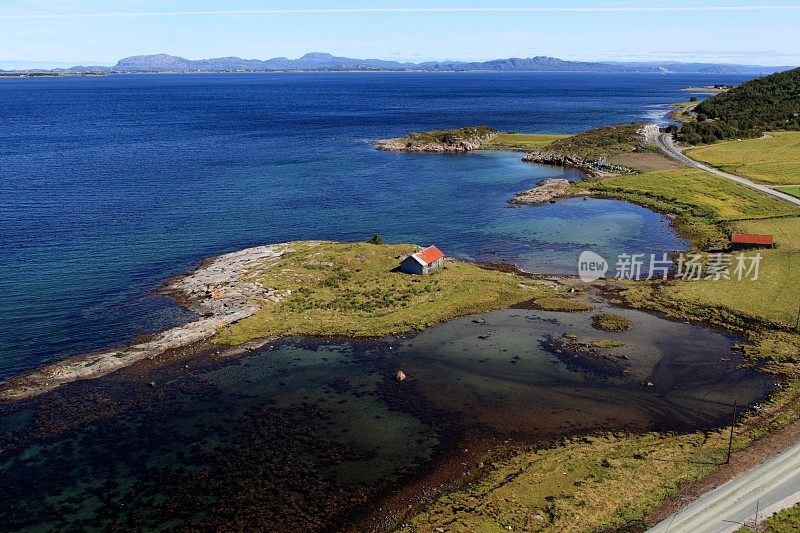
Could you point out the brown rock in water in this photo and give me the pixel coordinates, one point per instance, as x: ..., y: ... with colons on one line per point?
x: 400, y: 375
x: 547, y: 191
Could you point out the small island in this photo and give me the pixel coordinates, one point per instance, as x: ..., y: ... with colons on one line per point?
x: 453, y: 140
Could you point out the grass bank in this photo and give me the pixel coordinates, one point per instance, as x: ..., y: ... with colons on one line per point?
x: 703, y: 204
x: 773, y: 159
x: 793, y: 191
x: 521, y: 141
x: 355, y: 290
x: 784, y: 521
x: 775, y: 295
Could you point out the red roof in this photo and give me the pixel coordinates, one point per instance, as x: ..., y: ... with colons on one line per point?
x: 429, y: 255
x: 750, y: 238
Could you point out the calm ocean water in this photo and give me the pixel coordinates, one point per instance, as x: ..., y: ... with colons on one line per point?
x: 110, y: 185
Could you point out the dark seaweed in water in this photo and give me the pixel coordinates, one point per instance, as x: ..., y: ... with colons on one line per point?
x: 581, y: 357
x: 312, y: 434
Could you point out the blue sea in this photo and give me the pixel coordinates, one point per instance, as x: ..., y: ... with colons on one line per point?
x: 110, y: 185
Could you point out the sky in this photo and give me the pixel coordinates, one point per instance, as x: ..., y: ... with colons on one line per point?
x: 57, y: 33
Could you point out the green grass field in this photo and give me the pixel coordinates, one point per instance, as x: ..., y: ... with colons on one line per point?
x: 352, y: 289
x: 701, y: 200
x: 773, y: 160
x: 570, y: 487
x: 521, y: 141
x: 775, y: 295
x: 794, y: 191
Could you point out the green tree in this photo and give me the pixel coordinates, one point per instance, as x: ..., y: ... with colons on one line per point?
x: 376, y: 239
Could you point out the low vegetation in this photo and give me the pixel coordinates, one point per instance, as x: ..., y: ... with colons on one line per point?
x: 355, y: 290
x: 562, y: 303
x: 775, y: 295
x: 682, y: 111
x: 452, y: 136
x: 567, y: 488
x: 793, y: 191
x: 521, y: 141
x: 763, y: 104
x: 611, y: 322
x: 773, y: 159
x: 606, y: 343
x: 601, y: 142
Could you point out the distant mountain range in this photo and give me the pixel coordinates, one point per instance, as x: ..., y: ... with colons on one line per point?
x: 323, y: 61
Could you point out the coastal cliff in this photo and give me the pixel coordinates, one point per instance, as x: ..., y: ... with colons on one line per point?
x: 455, y: 140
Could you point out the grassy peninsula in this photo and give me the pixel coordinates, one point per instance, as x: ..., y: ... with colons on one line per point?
x: 355, y: 290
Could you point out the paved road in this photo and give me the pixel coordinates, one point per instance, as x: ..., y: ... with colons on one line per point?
x: 772, y: 485
x: 669, y: 148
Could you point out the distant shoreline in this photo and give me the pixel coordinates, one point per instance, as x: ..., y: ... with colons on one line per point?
x: 709, y: 89
x: 100, y: 74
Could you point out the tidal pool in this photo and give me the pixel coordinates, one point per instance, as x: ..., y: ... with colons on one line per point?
x: 311, y: 434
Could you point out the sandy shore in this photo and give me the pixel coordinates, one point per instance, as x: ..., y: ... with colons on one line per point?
x: 216, y: 292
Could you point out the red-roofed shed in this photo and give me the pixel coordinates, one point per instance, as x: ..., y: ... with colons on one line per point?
x: 751, y: 240
x: 424, y: 261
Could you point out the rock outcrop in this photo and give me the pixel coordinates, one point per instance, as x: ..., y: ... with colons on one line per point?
x: 591, y: 150
x: 546, y: 191
x: 455, y: 140
x: 402, y: 145
x: 597, y: 167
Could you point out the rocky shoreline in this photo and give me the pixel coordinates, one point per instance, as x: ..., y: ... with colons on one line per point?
x: 400, y: 145
x: 441, y: 141
x: 595, y: 168
x: 548, y: 190
x: 216, y: 292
